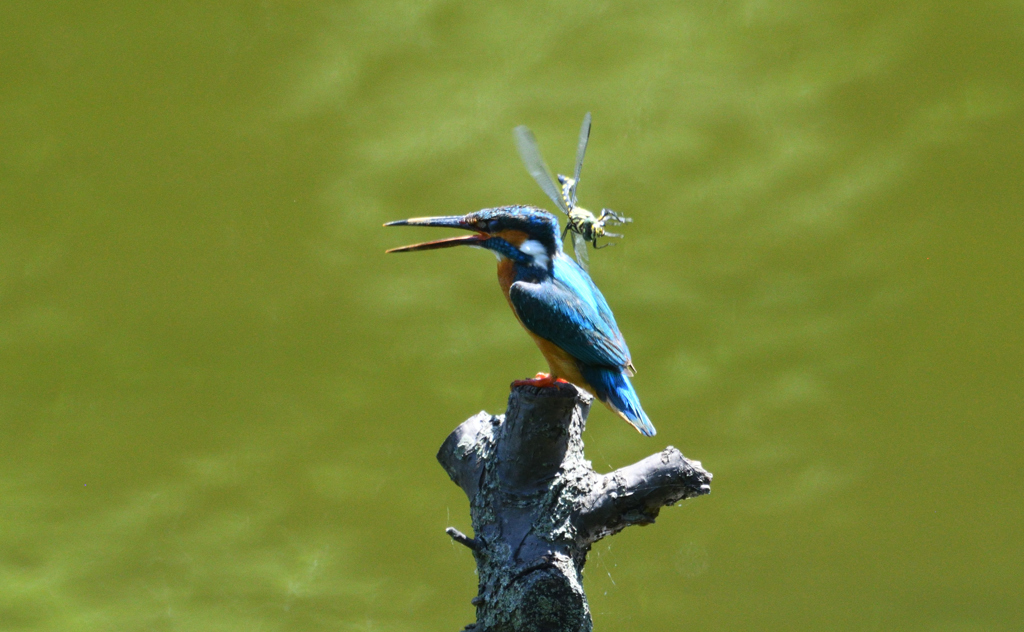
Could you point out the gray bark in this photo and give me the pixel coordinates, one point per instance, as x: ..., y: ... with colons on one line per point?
x: 537, y: 506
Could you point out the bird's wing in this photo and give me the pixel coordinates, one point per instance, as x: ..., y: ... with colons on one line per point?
x: 554, y: 313
x: 579, y: 282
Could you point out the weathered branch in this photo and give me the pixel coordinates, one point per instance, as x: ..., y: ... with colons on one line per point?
x: 636, y: 493
x: 461, y: 538
x: 537, y: 506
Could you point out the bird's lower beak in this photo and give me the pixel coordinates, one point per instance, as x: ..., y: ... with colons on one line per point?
x: 456, y: 221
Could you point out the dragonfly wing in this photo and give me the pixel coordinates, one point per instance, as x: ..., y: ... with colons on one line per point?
x: 530, y: 153
x: 581, y: 151
x: 579, y: 248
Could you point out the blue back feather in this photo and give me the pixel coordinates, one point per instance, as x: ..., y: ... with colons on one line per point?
x: 571, y: 274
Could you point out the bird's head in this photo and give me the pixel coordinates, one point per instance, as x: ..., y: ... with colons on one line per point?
x: 524, y: 234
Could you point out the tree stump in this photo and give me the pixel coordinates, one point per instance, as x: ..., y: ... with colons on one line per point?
x: 537, y: 506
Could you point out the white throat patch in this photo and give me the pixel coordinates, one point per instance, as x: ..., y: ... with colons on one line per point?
x: 535, y: 249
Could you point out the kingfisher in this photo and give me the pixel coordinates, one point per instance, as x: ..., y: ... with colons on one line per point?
x: 554, y: 299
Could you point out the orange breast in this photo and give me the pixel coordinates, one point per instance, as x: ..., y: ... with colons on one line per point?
x: 506, y: 276
x: 561, y: 363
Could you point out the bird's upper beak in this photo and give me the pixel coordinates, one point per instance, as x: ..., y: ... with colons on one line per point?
x: 453, y: 221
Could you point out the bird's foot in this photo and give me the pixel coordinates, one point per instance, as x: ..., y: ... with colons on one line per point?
x: 541, y: 380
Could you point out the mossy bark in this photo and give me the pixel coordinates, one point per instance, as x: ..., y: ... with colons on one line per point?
x: 537, y: 506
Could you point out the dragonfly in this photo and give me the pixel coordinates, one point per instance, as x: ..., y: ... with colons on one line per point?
x: 584, y: 225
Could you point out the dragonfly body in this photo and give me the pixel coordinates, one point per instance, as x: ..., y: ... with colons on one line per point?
x: 584, y: 225
x: 582, y: 222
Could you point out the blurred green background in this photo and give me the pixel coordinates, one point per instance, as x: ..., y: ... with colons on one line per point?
x: 220, y: 402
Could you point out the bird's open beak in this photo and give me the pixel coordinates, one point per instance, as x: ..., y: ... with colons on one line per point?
x: 455, y: 221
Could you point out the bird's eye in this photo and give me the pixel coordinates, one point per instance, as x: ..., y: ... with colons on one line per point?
x: 492, y: 225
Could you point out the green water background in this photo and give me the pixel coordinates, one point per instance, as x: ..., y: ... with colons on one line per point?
x: 220, y: 402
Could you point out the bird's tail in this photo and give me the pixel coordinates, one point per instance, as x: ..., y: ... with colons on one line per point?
x: 614, y: 389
